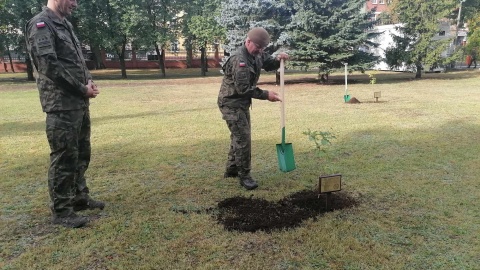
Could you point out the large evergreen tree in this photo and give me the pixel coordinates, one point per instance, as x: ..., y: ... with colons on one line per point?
x: 325, y: 34
x: 239, y: 16
x: 320, y: 34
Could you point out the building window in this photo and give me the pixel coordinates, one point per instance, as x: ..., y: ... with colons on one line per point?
x: 174, y: 46
x: 374, y: 1
x: 381, y: 2
x: 441, y: 33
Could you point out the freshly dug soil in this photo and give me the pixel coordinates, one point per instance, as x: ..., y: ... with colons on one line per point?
x: 253, y: 214
x: 354, y: 100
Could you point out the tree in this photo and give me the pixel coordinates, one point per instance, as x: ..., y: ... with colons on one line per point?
x: 415, y: 45
x: 201, y: 28
x: 318, y: 33
x: 92, y: 27
x: 158, y: 25
x: 473, y: 41
x: 7, y: 31
x: 470, y: 10
x: 471, y: 15
x: 240, y: 16
x: 14, y: 16
x: 325, y: 34
x: 122, y: 17
x: 107, y: 24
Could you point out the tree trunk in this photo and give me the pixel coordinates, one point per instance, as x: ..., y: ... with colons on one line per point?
x: 10, y: 59
x: 122, y: 59
x: 161, y: 59
x: 277, y: 77
x: 418, y: 74
x: 324, y: 78
x: 202, y: 61
x: 97, y: 58
x: 30, y: 76
x: 189, y: 49
x: 206, y: 57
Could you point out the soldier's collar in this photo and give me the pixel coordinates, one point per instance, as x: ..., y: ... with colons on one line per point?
x: 250, y: 57
x: 53, y: 16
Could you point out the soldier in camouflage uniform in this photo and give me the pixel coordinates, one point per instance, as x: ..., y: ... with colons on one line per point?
x: 65, y: 86
x: 239, y: 86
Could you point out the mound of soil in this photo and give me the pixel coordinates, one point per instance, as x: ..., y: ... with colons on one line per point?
x: 354, y: 100
x: 252, y: 214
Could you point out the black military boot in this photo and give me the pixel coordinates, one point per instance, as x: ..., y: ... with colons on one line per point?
x: 70, y: 221
x: 85, y: 202
x: 248, y: 183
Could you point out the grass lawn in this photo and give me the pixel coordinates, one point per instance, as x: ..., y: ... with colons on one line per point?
x: 159, y: 146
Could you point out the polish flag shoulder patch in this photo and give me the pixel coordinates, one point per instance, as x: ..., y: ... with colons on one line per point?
x: 40, y: 24
x: 242, y: 64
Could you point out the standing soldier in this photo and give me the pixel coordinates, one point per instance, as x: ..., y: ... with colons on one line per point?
x: 239, y: 86
x: 65, y: 86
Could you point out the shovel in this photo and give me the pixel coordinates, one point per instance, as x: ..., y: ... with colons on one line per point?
x: 346, y: 97
x: 286, y: 160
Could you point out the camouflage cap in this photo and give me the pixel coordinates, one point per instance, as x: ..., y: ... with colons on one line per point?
x: 259, y: 36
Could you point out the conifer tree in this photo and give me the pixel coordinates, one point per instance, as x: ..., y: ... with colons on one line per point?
x: 325, y: 34
x: 239, y: 16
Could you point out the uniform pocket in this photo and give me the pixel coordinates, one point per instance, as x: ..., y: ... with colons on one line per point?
x: 229, y: 114
x: 57, y: 131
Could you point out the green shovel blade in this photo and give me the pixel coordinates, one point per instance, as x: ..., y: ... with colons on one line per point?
x: 286, y: 159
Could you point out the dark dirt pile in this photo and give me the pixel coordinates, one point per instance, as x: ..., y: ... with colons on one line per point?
x: 354, y: 100
x: 252, y: 214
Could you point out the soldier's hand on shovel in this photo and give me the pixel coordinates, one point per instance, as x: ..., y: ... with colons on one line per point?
x: 273, y: 96
x: 282, y: 55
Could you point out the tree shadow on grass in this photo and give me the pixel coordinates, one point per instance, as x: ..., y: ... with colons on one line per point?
x: 18, y: 127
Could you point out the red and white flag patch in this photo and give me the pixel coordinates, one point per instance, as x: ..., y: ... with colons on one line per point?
x: 242, y: 64
x: 40, y: 24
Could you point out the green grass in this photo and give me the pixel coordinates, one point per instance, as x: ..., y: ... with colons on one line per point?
x: 411, y: 160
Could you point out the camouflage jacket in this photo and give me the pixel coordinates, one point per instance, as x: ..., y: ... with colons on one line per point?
x: 56, y: 55
x: 241, y: 73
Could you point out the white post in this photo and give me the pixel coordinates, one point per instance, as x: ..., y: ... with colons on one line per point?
x: 346, y: 81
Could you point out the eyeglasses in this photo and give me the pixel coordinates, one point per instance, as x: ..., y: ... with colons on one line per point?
x: 258, y: 46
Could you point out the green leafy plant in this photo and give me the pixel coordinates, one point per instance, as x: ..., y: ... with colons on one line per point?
x: 320, y: 138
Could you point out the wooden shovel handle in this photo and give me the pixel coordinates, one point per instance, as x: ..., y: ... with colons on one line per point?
x: 282, y: 92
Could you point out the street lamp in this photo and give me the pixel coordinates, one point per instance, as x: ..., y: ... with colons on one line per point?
x: 459, y: 14
x: 455, y: 41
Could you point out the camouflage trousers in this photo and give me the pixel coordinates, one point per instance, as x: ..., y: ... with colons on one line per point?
x: 240, y: 153
x: 68, y: 134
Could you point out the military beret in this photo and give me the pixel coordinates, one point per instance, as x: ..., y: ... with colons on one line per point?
x: 259, y: 36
